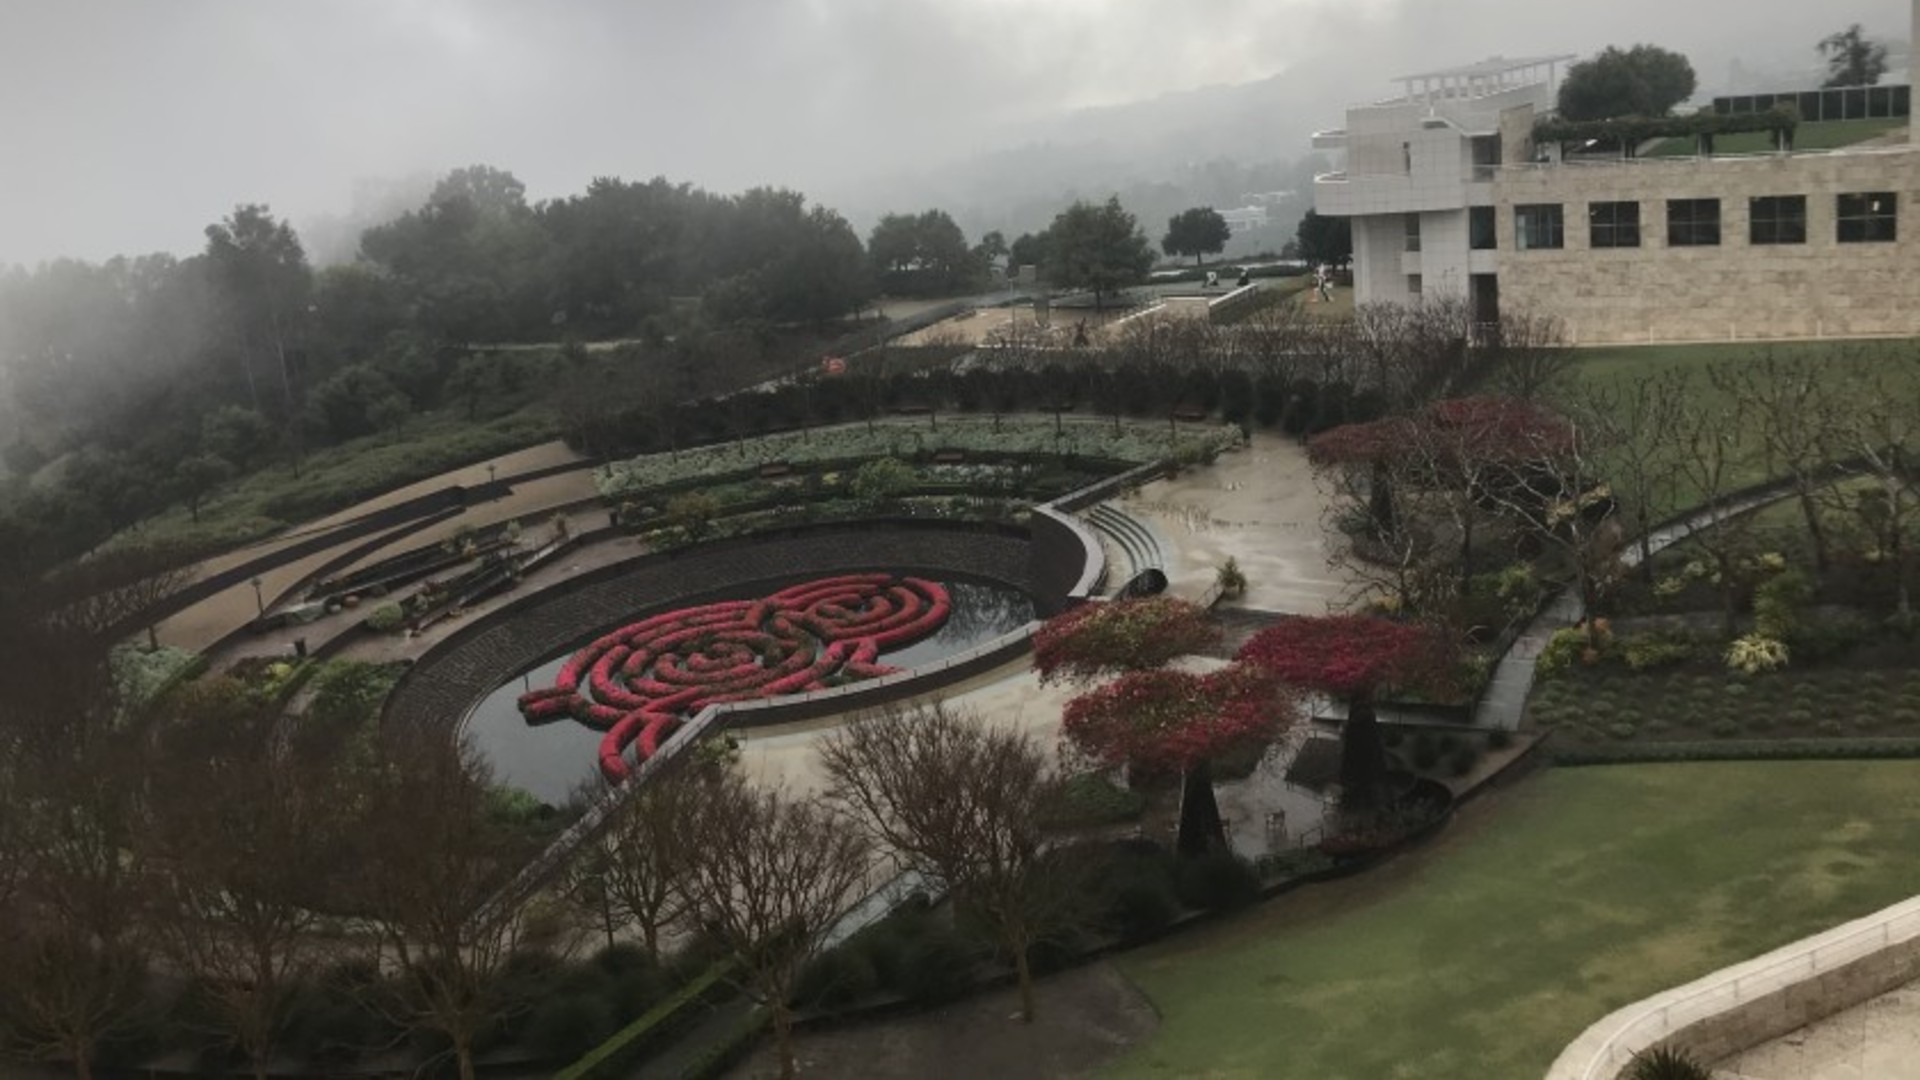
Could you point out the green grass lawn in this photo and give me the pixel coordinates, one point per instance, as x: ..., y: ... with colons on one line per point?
x: 1825, y: 135
x: 1482, y: 955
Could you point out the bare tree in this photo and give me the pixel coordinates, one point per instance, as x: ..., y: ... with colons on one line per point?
x: 246, y: 835
x: 960, y: 802
x: 1797, y: 414
x: 434, y: 860
x: 1881, y: 427
x: 72, y: 959
x: 627, y: 873
x: 770, y: 875
x: 1527, y: 357
x: 1714, y: 465
x: 1637, y: 423
x: 1553, y: 491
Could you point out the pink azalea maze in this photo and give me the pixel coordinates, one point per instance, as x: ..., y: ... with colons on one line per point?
x: 641, y: 682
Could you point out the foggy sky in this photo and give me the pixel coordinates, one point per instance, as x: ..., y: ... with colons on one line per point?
x: 128, y: 125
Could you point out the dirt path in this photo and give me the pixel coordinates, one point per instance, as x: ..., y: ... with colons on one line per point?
x: 1086, y: 1017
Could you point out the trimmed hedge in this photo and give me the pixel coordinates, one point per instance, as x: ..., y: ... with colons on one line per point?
x: 1631, y: 130
x: 618, y: 1056
x: 1745, y: 750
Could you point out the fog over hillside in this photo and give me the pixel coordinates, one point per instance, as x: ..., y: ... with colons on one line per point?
x: 131, y: 125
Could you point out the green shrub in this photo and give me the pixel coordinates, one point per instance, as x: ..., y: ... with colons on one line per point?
x: 1463, y: 761
x: 1725, y: 729
x: 937, y: 966
x: 1499, y: 739
x: 1657, y: 649
x: 1778, y: 603
x: 836, y: 978
x: 1140, y: 900
x: 1426, y: 752
x: 1093, y: 798
x: 1831, y: 727
x: 1666, y: 1063
x: 1217, y: 881
x: 1280, y: 865
x: 385, y: 617
x: 569, y: 1025
x: 1621, y: 730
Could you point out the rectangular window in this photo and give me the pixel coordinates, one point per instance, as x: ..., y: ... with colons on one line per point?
x: 1538, y: 226
x: 1693, y: 222
x: 1413, y: 285
x: 1613, y: 224
x: 1777, y: 219
x: 1413, y: 232
x: 1868, y: 218
x: 1481, y: 234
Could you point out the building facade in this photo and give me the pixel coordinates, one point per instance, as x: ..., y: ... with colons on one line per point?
x: 1448, y: 196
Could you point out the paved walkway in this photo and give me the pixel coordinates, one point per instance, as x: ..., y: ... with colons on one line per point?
x: 207, y: 622
x: 1259, y: 505
x: 1875, y: 1040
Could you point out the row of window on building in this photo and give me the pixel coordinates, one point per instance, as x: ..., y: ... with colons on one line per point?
x: 1869, y: 217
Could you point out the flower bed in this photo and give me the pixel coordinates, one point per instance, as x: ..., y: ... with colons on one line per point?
x: 640, y: 682
x: 1039, y: 436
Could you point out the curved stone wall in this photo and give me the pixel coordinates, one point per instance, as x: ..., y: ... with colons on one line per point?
x: 452, y: 677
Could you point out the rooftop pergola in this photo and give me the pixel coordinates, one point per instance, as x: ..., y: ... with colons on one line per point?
x: 1483, y: 77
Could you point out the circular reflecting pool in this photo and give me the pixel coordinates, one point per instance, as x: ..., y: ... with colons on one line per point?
x: 553, y: 758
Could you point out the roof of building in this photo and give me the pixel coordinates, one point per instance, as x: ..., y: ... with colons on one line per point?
x: 1491, y: 66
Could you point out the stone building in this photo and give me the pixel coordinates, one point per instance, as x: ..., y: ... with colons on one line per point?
x: 1449, y: 196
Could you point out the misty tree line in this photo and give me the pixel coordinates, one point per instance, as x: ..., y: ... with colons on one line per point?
x: 152, y: 381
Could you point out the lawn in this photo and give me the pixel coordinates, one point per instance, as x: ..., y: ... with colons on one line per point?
x: 1537, y: 913
x: 1824, y: 135
x: 1625, y: 365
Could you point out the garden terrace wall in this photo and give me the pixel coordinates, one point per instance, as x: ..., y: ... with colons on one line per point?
x: 1743, y: 1006
x: 433, y: 505
x: 450, y: 678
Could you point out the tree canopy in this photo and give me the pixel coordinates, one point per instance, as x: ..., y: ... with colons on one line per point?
x: 1325, y: 240
x: 924, y: 254
x: 1098, y: 247
x: 1176, y: 720
x: 1645, y: 80
x: 1122, y: 635
x: 1852, y: 58
x: 1350, y: 655
x: 1198, y: 232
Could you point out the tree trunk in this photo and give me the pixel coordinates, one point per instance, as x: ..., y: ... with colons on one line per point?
x: 783, y: 1039
x: 1201, y: 829
x: 1024, y: 971
x: 463, y: 1055
x: 1466, y: 552
x: 1380, y: 500
x: 1815, y: 533
x: 1363, y: 757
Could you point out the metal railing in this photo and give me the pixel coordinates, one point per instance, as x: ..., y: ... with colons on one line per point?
x: 1741, y: 986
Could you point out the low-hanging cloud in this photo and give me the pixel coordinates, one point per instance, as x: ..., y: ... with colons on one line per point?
x: 128, y: 125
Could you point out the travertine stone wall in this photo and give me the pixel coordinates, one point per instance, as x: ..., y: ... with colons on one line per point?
x: 1735, y: 291
x: 1798, y: 1004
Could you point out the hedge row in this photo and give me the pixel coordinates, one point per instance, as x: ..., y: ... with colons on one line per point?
x: 1743, y: 750
x: 619, y: 1055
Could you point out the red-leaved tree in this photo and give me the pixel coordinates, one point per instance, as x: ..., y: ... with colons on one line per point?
x: 1123, y: 635
x: 1355, y: 657
x: 1179, y: 721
